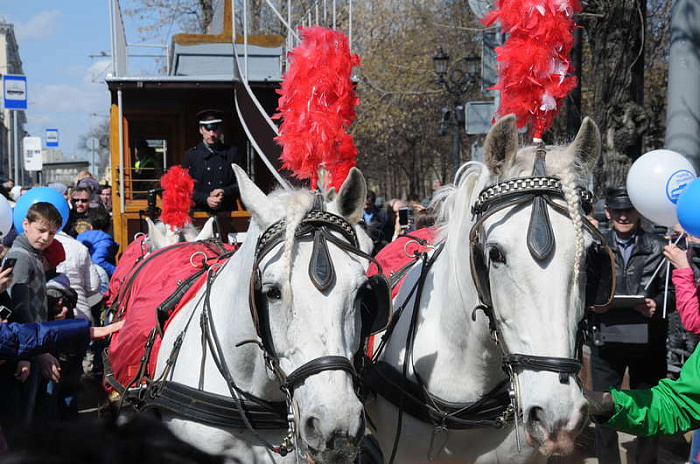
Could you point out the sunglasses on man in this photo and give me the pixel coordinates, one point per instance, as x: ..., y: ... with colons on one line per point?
x: 79, y: 200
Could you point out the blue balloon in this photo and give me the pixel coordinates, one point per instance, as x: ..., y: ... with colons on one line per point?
x: 688, y: 208
x: 39, y: 195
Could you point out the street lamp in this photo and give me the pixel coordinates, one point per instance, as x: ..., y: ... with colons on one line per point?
x: 457, y: 79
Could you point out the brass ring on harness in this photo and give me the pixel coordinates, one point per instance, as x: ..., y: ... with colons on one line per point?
x: 204, y: 259
x: 425, y: 247
x: 213, y: 268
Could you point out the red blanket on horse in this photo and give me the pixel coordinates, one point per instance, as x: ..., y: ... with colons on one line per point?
x: 143, y: 282
x: 401, y: 252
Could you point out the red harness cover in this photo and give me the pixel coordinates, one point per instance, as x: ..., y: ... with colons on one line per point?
x: 400, y: 252
x: 394, y: 257
x: 141, y: 283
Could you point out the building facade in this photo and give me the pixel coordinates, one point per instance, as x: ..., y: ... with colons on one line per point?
x: 10, y: 63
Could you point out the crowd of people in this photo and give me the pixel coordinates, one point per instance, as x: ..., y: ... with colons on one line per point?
x: 53, y: 280
x: 52, y: 284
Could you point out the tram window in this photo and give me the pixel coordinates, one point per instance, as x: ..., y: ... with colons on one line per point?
x: 149, y: 157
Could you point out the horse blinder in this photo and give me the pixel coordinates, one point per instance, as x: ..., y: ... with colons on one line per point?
x: 376, y: 305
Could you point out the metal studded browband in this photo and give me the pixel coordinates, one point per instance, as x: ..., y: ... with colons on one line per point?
x: 313, y: 217
x: 526, y: 185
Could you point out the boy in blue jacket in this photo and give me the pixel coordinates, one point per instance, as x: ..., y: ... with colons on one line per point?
x: 102, y: 247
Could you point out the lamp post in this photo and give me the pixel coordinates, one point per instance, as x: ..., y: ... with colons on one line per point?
x: 456, y: 79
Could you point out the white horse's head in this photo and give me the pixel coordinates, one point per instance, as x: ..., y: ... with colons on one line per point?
x: 305, y: 323
x: 161, y: 235
x: 537, y: 285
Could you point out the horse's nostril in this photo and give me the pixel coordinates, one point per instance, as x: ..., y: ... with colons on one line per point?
x: 536, y: 415
x: 312, y: 430
x: 337, y: 440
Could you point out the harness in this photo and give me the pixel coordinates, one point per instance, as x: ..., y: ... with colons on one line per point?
x: 243, y: 410
x: 500, y: 406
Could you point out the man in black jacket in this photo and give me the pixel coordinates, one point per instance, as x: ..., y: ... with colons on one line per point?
x: 209, y: 164
x: 634, y: 337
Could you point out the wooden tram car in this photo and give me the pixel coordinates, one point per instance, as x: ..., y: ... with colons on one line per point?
x: 159, y: 111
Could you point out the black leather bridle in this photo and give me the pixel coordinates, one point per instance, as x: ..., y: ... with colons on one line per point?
x: 320, y: 225
x: 539, y: 191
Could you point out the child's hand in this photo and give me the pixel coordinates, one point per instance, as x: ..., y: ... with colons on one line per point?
x: 5, y: 279
x: 102, y: 332
x: 22, y: 371
x: 49, y: 366
x: 678, y: 257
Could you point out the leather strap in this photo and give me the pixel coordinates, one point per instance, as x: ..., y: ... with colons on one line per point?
x: 489, y: 411
x: 210, y: 408
x: 315, y: 366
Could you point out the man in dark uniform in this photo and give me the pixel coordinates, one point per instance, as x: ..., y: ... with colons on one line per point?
x: 625, y: 336
x: 209, y: 163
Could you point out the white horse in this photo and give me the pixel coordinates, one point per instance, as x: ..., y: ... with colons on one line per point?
x: 305, y: 325
x: 161, y: 235
x: 458, y: 351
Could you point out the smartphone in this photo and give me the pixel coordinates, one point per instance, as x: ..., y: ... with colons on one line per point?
x: 9, y: 262
x: 5, y: 312
x: 403, y: 216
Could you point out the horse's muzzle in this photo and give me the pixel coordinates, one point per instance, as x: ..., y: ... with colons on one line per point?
x: 553, y: 438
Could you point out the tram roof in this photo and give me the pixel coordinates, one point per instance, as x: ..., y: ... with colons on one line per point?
x: 210, y: 65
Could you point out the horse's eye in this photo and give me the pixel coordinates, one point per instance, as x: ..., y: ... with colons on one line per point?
x: 496, y: 255
x: 273, y: 293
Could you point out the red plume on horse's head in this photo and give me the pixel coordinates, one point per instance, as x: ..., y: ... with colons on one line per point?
x: 317, y: 106
x: 177, y: 197
x: 534, y: 62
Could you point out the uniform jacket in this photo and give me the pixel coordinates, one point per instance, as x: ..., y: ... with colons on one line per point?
x: 633, y: 277
x: 102, y: 248
x: 22, y: 341
x: 687, y: 295
x: 78, y: 267
x: 210, y: 167
x: 671, y: 407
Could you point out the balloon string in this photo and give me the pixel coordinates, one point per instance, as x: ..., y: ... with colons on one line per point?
x: 663, y: 261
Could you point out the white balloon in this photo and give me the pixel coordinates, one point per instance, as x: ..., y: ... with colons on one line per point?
x: 5, y: 216
x: 655, y: 182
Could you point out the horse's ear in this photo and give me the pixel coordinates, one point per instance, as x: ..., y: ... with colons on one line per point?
x: 352, y: 196
x: 501, y: 145
x: 331, y: 194
x: 253, y: 198
x: 207, y: 231
x: 586, y: 145
x: 157, y: 237
x: 189, y: 232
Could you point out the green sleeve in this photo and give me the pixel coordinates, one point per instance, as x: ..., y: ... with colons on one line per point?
x: 671, y: 407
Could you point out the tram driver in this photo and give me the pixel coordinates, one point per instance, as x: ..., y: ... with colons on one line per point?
x: 209, y: 164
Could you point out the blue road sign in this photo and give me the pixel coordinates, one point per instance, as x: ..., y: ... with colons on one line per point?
x: 15, y: 91
x: 51, y: 137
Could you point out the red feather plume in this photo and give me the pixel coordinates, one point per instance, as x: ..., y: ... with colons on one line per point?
x: 317, y: 106
x: 534, y: 62
x: 177, y: 196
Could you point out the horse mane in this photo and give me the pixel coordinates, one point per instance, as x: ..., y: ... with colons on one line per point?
x: 453, y: 204
x: 292, y: 206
